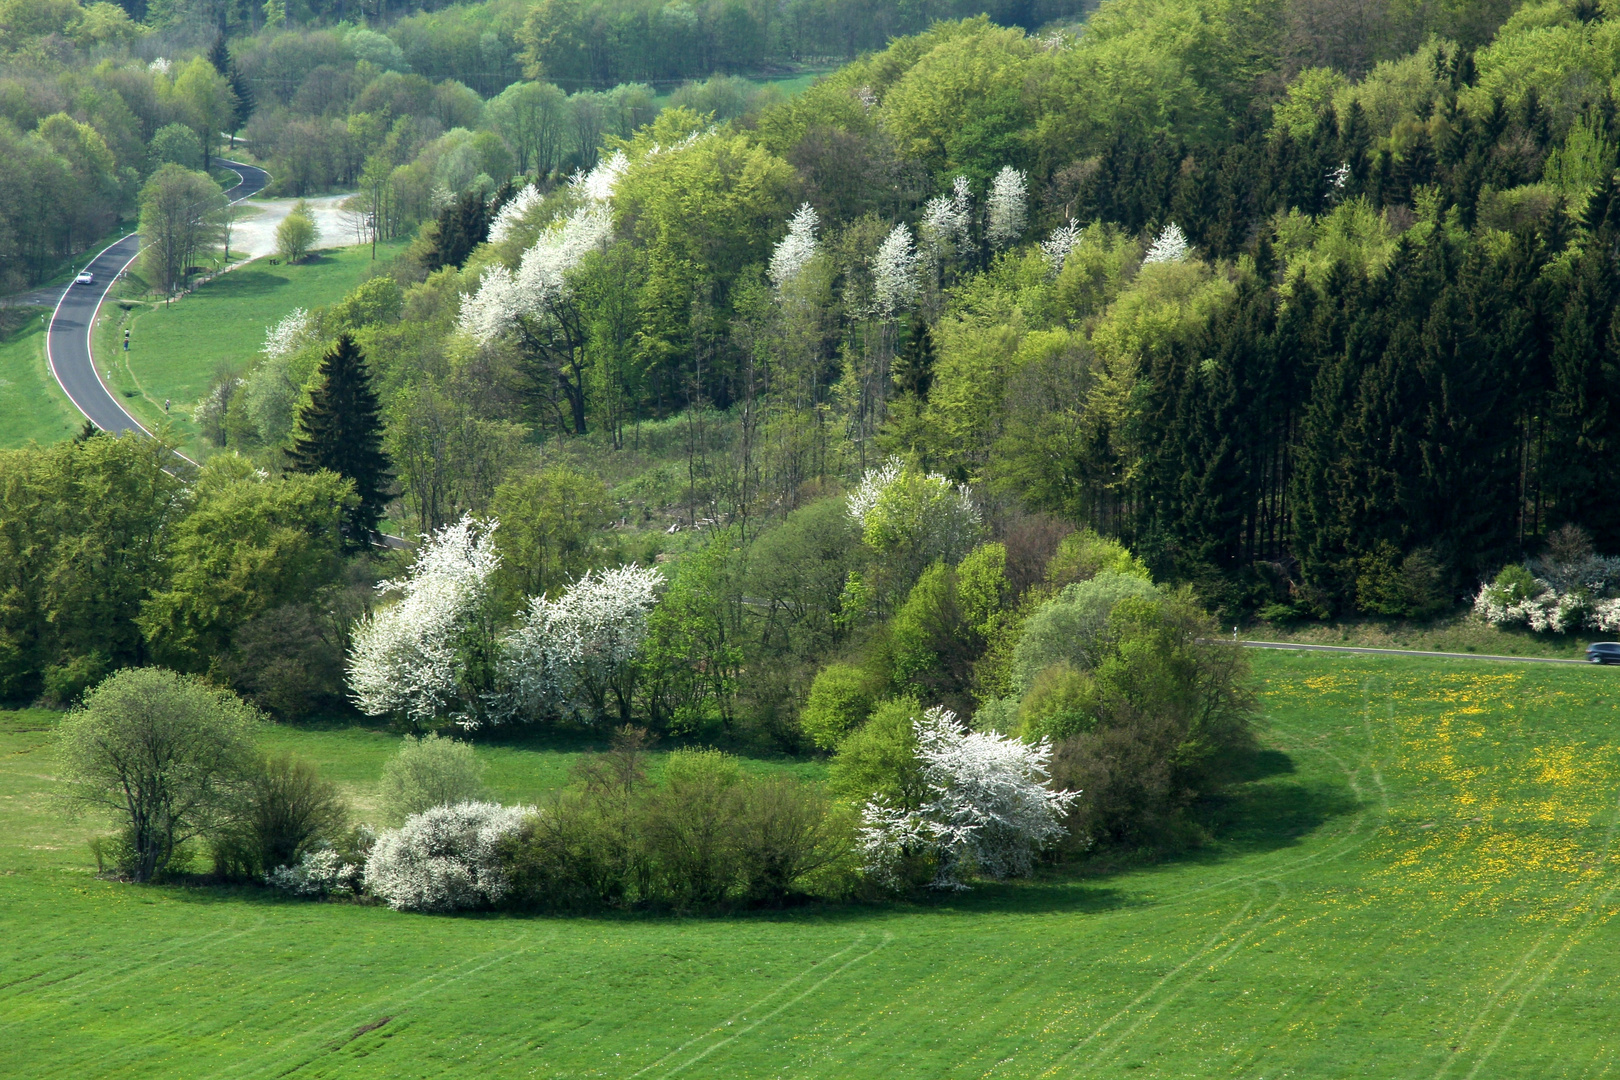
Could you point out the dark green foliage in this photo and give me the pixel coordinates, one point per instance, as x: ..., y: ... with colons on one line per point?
x: 340, y: 430
x: 913, y: 368
x: 461, y: 226
x: 281, y: 808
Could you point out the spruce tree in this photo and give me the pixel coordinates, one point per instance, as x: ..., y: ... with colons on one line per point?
x: 340, y: 430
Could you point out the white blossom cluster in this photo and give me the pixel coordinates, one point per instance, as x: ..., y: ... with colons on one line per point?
x: 927, y: 512
x: 1170, y: 247
x: 541, y: 280
x: 160, y: 66
x: 562, y: 649
x: 866, y: 96
x: 320, y: 872
x: 405, y: 657
x: 796, y: 249
x: 444, y: 859
x: 988, y: 808
x: 1336, y: 179
x: 1549, y: 611
x: 1006, y: 208
x: 288, y: 335
x: 945, y: 222
x: 894, y: 273
x: 514, y: 211
x: 1057, y: 246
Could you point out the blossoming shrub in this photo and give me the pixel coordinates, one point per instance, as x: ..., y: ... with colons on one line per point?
x: 321, y: 872
x: 444, y: 859
x: 987, y: 807
x: 1519, y: 598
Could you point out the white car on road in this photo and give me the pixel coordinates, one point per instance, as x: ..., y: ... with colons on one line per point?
x: 86, y: 278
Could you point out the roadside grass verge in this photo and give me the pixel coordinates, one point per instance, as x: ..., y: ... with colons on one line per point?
x: 1420, y: 879
x: 32, y: 405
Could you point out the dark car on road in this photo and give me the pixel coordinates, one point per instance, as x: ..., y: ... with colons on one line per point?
x: 1604, y: 652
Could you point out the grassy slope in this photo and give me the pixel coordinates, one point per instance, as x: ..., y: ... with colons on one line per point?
x: 32, y: 405
x: 1422, y: 886
x: 175, y: 350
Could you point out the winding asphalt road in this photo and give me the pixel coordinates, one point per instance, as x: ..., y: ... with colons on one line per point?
x: 67, y: 345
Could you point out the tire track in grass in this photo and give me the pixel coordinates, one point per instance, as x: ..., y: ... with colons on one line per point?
x: 394, y: 1001
x: 1351, y: 841
x: 761, y: 1003
x: 829, y: 977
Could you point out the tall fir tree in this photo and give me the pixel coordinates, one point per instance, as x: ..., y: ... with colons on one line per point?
x: 341, y: 430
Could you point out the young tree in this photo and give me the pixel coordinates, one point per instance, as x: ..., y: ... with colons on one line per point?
x: 297, y: 233
x: 1006, y: 207
x: 340, y: 430
x: 158, y: 752
x: 428, y: 772
x: 182, y: 218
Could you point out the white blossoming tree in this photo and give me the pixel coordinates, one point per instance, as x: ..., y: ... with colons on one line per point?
x: 1170, y: 247
x: 987, y: 806
x: 795, y: 250
x: 1006, y: 208
x: 894, y: 274
x: 514, y: 211
x: 1057, y: 246
x: 567, y: 656
x: 420, y: 656
x: 945, y: 226
x: 288, y: 335
x: 536, y: 305
x: 444, y: 859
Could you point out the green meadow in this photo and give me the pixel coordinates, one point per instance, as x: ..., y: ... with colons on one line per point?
x: 177, y: 349
x: 1419, y: 879
x: 32, y: 406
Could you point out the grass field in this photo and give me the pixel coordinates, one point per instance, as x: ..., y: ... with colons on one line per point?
x: 32, y: 406
x: 1419, y: 881
x: 176, y: 349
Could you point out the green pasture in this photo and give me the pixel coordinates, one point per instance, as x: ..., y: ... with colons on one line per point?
x: 176, y: 349
x: 1419, y: 880
x: 32, y: 405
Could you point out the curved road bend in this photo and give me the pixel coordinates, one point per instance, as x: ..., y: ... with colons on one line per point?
x: 67, y: 345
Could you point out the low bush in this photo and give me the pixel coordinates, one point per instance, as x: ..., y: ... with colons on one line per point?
x: 841, y: 698
x: 446, y: 858
x: 281, y: 811
x: 427, y: 772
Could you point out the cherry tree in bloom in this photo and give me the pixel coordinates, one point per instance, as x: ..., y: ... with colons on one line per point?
x: 446, y: 858
x: 988, y: 806
x: 894, y: 273
x: 1057, y: 246
x: 1170, y: 247
x: 1006, y: 207
x: 407, y: 658
x: 567, y: 654
x: 288, y: 335
x: 945, y: 222
x: 514, y: 211
x: 796, y: 249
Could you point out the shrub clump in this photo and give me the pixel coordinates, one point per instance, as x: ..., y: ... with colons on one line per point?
x: 427, y: 772
x: 445, y: 858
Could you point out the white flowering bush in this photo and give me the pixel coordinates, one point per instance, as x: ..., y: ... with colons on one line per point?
x: 444, y: 859
x: 288, y: 335
x: 1558, y: 599
x: 408, y: 658
x: 923, y: 513
x: 1006, y: 208
x: 1057, y: 246
x: 988, y: 806
x: 513, y: 212
x: 566, y: 654
x: 795, y: 250
x: 894, y: 273
x: 1170, y: 247
x: 320, y: 872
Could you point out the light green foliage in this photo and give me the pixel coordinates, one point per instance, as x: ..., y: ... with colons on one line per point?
x: 248, y: 545
x: 919, y: 519
x: 297, y: 233
x: 1097, y: 270
x: 1586, y: 159
x: 1514, y: 584
x: 1068, y: 628
x: 551, y: 527
x: 1546, y: 47
x: 841, y: 698
x: 799, y: 570
x: 177, y: 144
x: 1312, y: 91
x: 692, y: 659
x: 982, y: 588
x: 939, y: 634
x: 1354, y: 235
x: 1061, y: 702
x: 429, y: 771
x: 879, y: 758
x: 374, y: 302
x: 1083, y: 555
x: 156, y: 752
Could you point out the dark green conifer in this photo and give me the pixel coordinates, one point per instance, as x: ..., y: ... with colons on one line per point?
x: 340, y: 430
x: 913, y: 370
